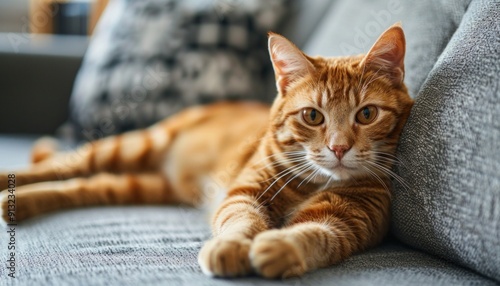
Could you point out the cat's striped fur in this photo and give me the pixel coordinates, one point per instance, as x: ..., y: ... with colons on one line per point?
x: 300, y: 194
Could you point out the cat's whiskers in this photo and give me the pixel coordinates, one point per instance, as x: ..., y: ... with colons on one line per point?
x: 316, y: 173
x: 389, y: 173
x: 316, y: 169
x: 327, y: 184
x: 283, y: 162
x: 289, y: 158
x: 384, y: 160
x: 377, y: 177
x: 289, y: 170
x: 302, y: 171
x: 297, y: 162
x: 386, y: 155
x: 291, y: 154
x: 286, y: 171
x: 301, y: 168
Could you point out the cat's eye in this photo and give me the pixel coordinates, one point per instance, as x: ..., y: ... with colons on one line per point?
x: 367, y: 114
x: 312, y: 116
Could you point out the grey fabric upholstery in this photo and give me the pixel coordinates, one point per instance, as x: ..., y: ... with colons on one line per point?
x: 158, y: 245
x: 450, y: 150
x: 304, y: 17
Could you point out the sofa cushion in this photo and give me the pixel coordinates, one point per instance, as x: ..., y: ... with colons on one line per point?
x: 159, y: 246
x: 450, y: 150
x: 15, y: 151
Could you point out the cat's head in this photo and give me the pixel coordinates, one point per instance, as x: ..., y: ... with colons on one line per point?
x: 343, y: 114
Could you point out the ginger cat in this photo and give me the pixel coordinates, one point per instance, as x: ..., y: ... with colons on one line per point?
x: 307, y: 181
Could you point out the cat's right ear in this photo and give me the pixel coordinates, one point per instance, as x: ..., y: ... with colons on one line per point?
x: 388, y: 53
x: 289, y: 62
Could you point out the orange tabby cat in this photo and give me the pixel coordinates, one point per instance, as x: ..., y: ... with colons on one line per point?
x: 306, y: 181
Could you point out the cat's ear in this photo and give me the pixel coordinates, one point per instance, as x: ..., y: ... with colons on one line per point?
x: 387, y: 54
x: 289, y: 62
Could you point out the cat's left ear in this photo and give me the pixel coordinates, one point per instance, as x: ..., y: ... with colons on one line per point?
x: 387, y: 54
x: 289, y: 62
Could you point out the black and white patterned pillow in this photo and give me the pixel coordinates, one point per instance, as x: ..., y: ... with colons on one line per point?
x: 150, y: 58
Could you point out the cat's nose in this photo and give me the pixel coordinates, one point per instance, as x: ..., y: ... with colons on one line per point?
x: 339, y: 150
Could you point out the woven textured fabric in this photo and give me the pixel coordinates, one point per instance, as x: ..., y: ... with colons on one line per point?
x: 159, y: 246
x: 148, y: 59
x: 450, y: 150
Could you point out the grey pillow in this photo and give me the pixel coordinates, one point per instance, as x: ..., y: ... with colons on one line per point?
x: 450, y: 150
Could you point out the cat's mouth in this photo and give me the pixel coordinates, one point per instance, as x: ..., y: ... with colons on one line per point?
x: 336, y: 165
x: 337, y: 170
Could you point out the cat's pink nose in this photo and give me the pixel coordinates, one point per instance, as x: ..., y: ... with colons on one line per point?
x: 339, y: 150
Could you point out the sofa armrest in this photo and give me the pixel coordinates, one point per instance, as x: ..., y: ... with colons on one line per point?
x: 36, y: 79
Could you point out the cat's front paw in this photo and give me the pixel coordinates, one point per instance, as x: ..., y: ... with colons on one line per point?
x: 225, y: 257
x: 274, y: 256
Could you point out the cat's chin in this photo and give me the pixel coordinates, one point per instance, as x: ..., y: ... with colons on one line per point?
x: 342, y: 174
x: 338, y: 173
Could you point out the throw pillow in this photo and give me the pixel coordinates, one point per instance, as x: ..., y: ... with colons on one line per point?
x: 149, y: 59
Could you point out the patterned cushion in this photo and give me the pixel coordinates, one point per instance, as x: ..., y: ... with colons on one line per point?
x: 150, y: 58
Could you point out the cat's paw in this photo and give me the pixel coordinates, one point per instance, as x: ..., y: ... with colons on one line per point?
x: 225, y: 257
x: 274, y: 256
x: 6, y: 216
x: 3, y: 182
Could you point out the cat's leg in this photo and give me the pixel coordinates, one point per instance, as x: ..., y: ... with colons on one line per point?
x: 325, y: 230
x: 133, y: 151
x: 43, y: 149
x: 102, y: 189
x: 237, y: 221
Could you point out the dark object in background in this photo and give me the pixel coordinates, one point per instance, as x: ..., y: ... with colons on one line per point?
x: 36, y: 78
x: 72, y: 17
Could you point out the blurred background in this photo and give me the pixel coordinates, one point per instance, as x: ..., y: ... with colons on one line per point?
x: 85, y: 69
x: 42, y: 44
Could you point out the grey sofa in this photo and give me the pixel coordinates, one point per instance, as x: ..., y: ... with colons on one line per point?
x: 447, y: 41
